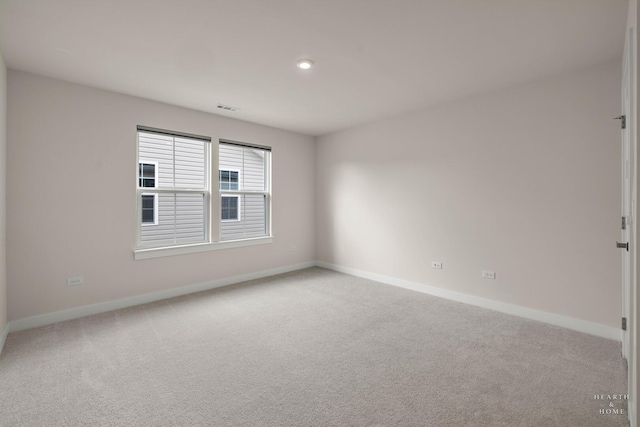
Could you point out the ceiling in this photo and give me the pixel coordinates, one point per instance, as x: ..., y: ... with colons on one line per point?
x: 373, y: 58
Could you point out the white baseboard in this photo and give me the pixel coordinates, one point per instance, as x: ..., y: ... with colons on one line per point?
x: 3, y: 337
x: 550, y: 318
x: 87, y: 310
x: 516, y: 310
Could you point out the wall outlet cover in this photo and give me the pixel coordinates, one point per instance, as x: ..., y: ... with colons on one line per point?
x: 75, y: 281
x: 489, y: 274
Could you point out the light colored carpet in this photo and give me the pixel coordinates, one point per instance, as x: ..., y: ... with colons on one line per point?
x: 309, y: 348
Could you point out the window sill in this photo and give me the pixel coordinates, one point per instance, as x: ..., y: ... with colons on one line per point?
x: 139, y: 254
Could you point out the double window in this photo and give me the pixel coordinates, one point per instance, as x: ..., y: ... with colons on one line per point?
x: 184, y: 200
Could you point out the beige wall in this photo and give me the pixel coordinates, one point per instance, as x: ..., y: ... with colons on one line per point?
x: 71, y: 171
x: 524, y: 182
x: 3, y: 198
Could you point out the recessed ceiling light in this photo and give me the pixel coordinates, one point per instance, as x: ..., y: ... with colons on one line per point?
x: 305, y: 64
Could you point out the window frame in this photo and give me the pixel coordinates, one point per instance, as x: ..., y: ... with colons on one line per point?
x: 211, y: 206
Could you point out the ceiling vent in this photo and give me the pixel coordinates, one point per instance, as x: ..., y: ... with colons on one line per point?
x: 226, y: 108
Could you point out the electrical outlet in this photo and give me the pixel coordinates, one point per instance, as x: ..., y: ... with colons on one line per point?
x: 489, y: 275
x: 294, y: 248
x: 436, y: 264
x: 75, y: 281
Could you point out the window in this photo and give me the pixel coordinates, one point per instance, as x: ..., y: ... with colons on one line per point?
x: 228, y: 180
x: 147, y: 175
x: 243, y: 175
x: 179, y: 194
x: 147, y: 179
x: 229, y: 205
x: 230, y: 208
x: 175, y: 166
x: 149, y: 209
